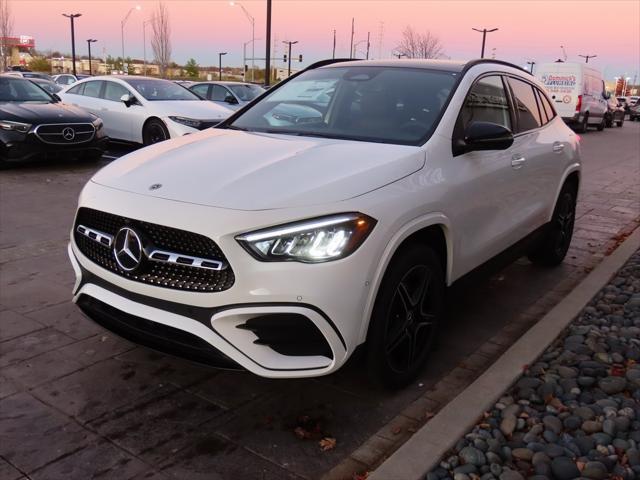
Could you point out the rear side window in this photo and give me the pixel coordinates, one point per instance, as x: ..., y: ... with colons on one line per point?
x: 545, y: 106
x: 525, y: 105
x: 92, y: 89
x: 486, y: 102
x: 77, y: 90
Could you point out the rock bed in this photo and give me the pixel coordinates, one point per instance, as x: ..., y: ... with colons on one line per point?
x: 575, y: 413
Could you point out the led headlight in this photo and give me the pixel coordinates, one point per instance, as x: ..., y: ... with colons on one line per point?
x: 189, y: 122
x: 310, y: 241
x: 14, y: 126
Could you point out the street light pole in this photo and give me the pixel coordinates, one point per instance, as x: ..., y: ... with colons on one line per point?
x: 334, y: 44
x: 220, y: 54
x: 484, y: 32
x: 267, y: 69
x: 122, y: 24
x: 532, y: 63
x: 289, y: 58
x: 587, y: 57
x: 253, y: 36
x: 89, y: 42
x: 144, y: 46
x: 352, y: 31
x: 72, y: 16
x: 368, y: 44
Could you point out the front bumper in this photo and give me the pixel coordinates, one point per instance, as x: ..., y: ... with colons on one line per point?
x: 20, y: 147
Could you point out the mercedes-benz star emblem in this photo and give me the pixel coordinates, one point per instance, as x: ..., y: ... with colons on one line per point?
x: 127, y: 249
x: 155, y: 186
x: 68, y: 134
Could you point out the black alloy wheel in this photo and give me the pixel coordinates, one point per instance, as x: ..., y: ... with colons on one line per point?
x: 154, y: 131
x: 404, y: 323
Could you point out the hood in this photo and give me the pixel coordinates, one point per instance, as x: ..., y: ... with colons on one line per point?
x: 197, y: 109
x: 255, y: 171
x: 44, y: 113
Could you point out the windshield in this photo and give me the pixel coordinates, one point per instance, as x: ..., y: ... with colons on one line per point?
x: 380, y: 104
x: 21, y: 90
x: 246, y: 93
x: 48, y: 86
x: 160, y: 89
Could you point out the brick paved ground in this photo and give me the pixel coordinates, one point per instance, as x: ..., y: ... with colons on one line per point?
x: 75, y: 401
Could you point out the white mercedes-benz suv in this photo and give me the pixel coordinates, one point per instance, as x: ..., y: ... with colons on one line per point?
x: 332, y: 212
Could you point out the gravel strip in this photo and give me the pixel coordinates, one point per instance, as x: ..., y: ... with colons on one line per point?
x: 575, y: 413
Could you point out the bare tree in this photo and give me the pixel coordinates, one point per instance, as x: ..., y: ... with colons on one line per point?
x: 419, y: 45
x: 6, y: 27
x: 161, y: 41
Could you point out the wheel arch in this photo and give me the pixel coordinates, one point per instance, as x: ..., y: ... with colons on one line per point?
x: 433, y: 230
x: 571, y: 176
x: 146, y: 122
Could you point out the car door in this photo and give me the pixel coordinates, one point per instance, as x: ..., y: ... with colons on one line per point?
x: 115, y: 114
x: 87, y: 95
x: 484, y: 178
x: 536, y: 160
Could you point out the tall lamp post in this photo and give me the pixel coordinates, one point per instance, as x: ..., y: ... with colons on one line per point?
x: 122, y: 24
x: 587, y: 57
x: 289, y: 57
x: 144, y: 46
x: 484, y: 32
x: 72, y: 16
x: 253, y: 35
x: 220, y: 54
x: 267, y: 63
x: 89, y: 42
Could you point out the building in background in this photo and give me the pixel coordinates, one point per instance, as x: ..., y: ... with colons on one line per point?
x: 17, y: 49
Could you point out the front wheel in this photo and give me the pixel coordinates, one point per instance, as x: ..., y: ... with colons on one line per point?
x: 602, y: 124
x: 582, y: 126
x: 154, y: 131
x: 405, y: 318
x: 620, y: 122
x: 555, y: 243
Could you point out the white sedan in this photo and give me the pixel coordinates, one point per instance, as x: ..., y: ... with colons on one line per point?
x: 142, y: 109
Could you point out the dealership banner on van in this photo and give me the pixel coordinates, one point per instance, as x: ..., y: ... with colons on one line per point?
x: 578, y: 92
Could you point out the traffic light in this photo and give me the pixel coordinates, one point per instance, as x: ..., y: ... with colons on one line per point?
x: 300, y: 58
x: 285, y: 58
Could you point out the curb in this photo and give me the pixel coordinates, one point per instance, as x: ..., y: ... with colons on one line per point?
x: 427, y: 446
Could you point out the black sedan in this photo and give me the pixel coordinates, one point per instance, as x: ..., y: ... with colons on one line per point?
x: 34, y: 124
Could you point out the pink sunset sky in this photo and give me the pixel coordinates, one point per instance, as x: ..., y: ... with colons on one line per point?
x: 528, y: 29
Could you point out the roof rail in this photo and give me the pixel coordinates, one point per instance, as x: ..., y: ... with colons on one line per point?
x: 480, y: 61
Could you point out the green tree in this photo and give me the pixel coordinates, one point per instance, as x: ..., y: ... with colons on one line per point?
x: 40, y: 64
x: 192, y: 68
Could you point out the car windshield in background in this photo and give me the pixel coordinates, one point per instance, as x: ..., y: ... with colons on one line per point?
x: 50, y: 87
x: 160, y: 89
x: 22, y: 91
x: 246, y: 93
x: 379, y: 104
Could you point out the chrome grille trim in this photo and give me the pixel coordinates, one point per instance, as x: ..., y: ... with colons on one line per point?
x: 91, y: 131
x: 188, y: 260
x: 95, y: 235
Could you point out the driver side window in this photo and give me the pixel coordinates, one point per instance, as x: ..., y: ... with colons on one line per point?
x: 218, y: 93
x: 486, y: 102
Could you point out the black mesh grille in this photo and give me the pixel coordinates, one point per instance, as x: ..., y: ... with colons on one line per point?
x: 180, y: 277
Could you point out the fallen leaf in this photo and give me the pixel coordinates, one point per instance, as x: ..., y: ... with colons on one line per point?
x: 327, y: 443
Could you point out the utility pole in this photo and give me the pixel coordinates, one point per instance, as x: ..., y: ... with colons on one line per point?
x: 352, y: 32
x: 334, y: 44
x: 267, y: 70
x: 484, y: 32
x: 144, y: 45
x: 72, y: 16
x: 289, y: 58
x: 89, y: 42
x: 532, y: 63
x: 220, y: 54
x: 587, y: 57
x: 368, y: 44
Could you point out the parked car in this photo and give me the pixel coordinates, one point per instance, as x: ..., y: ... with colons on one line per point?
x: 17, y: 73
x: 615, y: 112
x: 34, y: 124
x: 624, y: 102
x: 65, y: 79
x: 283, y: 243
x: 634, y: 112
x: 48, y: 85
x: 142, y: 109
x: 230, y: 94
x: 578, y: 93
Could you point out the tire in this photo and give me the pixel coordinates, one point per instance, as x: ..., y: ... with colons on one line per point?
x: 405, y: 317
x: 582, y: 126
x: 609, y: 121
x: 602, y: 124
x: 154, y: 131
x: 619, y: 123
x: 554, y: 245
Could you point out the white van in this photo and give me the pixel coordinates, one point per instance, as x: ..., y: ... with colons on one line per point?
x: 578, y: 93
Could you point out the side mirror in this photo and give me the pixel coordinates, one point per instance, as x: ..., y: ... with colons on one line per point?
x: 128, y: 99
x: 607, y: 95
x: 487, y: 136
x: 231, y: 100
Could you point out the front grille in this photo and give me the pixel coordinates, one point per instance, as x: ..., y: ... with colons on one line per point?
x: 65, y: 133
x: 155, y: 237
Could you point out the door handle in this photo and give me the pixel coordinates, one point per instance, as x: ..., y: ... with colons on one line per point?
x: 517, y: 161
x: 558, y: 147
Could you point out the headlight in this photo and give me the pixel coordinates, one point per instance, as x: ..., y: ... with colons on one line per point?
x: 189, y: 122
x: 15, y: 126
x: 310, y: 241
